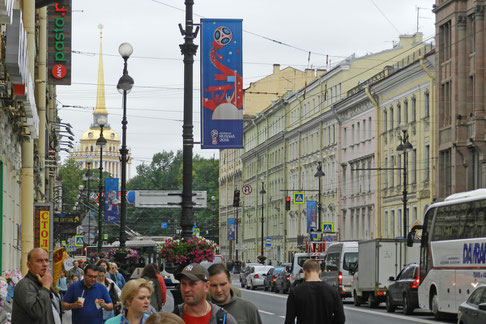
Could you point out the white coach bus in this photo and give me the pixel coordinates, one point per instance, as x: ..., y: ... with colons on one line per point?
x: 452, y: 251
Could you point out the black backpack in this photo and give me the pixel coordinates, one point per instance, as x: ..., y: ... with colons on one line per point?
x: 220, y: 315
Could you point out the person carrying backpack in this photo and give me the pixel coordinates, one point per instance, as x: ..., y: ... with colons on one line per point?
x: 194, y: 285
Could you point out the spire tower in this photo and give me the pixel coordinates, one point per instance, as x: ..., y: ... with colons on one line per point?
x: 100, y: 94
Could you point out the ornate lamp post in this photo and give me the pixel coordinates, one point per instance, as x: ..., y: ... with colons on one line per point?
x: 262, y: 192
x: 89, y: 161
x: 319, y: 174
x: 404, y: 146
x: 124, y: 86
x: 101, y: 142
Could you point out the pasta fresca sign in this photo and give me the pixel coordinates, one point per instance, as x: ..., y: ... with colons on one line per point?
x: 59, y: 42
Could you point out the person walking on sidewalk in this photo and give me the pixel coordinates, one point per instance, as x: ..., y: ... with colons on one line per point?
x: 35, y: 302
x: 314, y: 301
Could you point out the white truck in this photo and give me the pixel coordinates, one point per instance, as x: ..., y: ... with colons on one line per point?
x: 378, y: 260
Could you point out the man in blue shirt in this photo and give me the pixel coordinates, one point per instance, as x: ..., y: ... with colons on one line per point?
x: 87, y: 298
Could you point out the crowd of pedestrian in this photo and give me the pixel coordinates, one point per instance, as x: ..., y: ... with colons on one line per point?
x: 98, y: 294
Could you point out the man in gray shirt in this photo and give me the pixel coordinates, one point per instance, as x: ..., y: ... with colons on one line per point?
x: 222, y: 295
x: 35, y: 302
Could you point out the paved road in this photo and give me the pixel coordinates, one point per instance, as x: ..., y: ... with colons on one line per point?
x: 272, y: 310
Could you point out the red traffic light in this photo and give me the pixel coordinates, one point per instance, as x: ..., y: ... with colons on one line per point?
x: 287, y: 203
x: 287, y: 199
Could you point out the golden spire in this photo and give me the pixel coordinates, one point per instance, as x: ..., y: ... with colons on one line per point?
x: 100, y: 96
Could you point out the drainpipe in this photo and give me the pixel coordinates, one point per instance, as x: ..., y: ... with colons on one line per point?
x: 433, y: 127
x: 27, y: 173
x: 377, y: 162
x: 40, y: 96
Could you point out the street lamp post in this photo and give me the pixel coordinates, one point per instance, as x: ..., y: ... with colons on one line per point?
x: 319, y: 174
x: 262, y: 192
x: 88, y: 177
x: 124, y: 86
x: 188, y: 49
x: 404, y: 146
x: 101, y: 142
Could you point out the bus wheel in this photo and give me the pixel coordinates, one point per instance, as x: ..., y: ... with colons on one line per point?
x: 435, y: 308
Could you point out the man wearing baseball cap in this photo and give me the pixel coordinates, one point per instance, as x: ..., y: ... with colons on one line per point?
x: 194, y: 283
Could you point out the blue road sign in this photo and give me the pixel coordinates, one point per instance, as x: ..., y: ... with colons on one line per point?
x: 299, y: 198
x: 268, y: 242
x: 328, y: 227
x: 164, y: 225
x: 78, y: 240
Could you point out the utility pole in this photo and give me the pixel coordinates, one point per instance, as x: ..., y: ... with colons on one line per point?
x: 262, y: 192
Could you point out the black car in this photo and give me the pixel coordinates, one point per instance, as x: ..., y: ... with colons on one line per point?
x: 473, y: 310
x: 403, y: 291
x: 271, y: 278
x: 282, y: 283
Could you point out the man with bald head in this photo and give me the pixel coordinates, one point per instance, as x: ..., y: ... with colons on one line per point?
x: 35, y: 302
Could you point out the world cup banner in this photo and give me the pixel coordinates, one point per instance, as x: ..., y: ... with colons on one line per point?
x: 311, y: 216
x: 221, y: 84
x: 111, y: 200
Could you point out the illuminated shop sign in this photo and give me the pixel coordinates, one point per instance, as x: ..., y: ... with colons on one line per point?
x: 59, y: 30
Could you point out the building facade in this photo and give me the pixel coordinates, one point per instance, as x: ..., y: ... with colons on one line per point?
x: 460, y: 87
x: 257, y: 97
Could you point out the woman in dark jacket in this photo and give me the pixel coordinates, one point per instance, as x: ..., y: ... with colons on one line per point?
x: 149, y: 274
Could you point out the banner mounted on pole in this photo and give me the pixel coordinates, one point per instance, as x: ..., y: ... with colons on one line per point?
x: 221, y: 84
x: 111, y: 200
x: 311, y: 216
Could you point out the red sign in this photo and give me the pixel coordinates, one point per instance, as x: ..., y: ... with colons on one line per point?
x: 246, y: 189
x: 59, y: 71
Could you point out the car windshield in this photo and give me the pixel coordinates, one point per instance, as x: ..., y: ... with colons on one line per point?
x: 301, y: 260
x: 277, y: 270
x: 262, y: 269
x: 350, y: 260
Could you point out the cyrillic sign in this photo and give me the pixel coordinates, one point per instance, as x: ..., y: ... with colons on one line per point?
x: 221, y: 84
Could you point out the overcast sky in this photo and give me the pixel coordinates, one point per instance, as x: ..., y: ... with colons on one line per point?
x: 330, y: 28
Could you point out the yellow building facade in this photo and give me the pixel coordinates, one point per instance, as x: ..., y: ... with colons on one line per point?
x: 285, y: 143
x: 257, y: 97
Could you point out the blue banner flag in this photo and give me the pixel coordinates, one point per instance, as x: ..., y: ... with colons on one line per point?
x: 231, y: 229
x: 221, y: 84
x: 311, y: 216
x: 111, y: 200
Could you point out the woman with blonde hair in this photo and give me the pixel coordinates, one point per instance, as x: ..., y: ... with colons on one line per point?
x: 164, y: 318
x: 135, y: 297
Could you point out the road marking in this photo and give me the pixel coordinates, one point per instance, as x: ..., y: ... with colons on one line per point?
x: 263, y: 293
x: 268, y: 313
x: 408, y: 318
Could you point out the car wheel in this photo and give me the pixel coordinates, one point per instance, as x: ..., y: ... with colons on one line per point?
x: 373, y: 303
x: 265, y: 288
x: 242, y: 285
x: 407, y: 308
x: 389, y: 305
x: 357, y: 300
x: 276, y: 289
x: 435, y: 308
x: 272, y: 288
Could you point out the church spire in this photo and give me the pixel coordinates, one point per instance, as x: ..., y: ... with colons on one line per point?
x: 100, y: 95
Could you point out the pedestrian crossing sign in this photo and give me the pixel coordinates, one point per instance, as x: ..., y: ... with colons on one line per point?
x: 299, y: 198
x: 79, y: 240
x: 327, y: 227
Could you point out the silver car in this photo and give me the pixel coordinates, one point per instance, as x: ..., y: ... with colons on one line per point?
x: 473, y: 310
x: 256, y: 276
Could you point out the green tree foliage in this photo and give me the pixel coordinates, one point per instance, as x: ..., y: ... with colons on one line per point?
x: 71, y: 176
x: 164, y: 172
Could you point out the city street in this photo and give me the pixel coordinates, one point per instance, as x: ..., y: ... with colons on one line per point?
x: 272, y: 310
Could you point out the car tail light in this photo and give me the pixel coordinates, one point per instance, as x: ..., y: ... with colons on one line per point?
x: 340, y: 279
x: 287, y: 278
x: 416, y: 283
x: 274, y: 279
x: 380, y: 293
x: 255, y: 276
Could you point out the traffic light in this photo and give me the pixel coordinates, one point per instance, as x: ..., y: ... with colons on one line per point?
x: 236, y: 198
x: 287, y: 203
